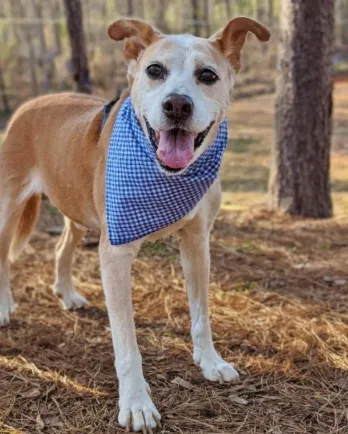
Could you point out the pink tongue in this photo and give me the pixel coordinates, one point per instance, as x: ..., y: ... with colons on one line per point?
x: 175, y: 149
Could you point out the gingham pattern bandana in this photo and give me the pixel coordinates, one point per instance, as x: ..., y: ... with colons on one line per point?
x: 140, y: 198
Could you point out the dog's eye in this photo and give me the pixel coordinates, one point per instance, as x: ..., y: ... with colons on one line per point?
x: 155, y: 71
x: 207, y: 76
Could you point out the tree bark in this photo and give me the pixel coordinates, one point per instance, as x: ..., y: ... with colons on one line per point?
x: 195, y: 18
x: 29, y: 40
x: 270, y: 11
x: 130, y: 9
x: 4, y: 97
x: 55, y: 13
x: 228, y: 9
x: 299, y: 182
x: 78, y: 45
x: 207, y: 17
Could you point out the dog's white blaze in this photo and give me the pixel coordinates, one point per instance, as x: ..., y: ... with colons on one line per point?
x: 32, y: 185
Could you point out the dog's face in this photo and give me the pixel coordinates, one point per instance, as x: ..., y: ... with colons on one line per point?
x: 181, y: 85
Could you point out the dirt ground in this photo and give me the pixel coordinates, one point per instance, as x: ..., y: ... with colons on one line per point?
x: 279, y: 310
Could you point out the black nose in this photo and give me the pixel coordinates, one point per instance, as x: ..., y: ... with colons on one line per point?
x: 177, y: 107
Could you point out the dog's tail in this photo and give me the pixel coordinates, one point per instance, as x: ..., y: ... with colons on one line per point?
x: 25, y: 226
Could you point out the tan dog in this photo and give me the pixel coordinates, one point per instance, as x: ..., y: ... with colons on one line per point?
x: 54, y: 144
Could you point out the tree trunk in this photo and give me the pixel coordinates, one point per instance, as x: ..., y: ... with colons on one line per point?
x: 29, y: 40
x: 270, y: 11
x: 46, y: 59
x: 161, y: 16
x: 4, y: 97
x: 130, y: 10
x: 228, y: 9
x: 55, y: 13
x: 140, y: 11
x: 195, y: 18
x: 299, y: 182
x: 78, y: 46
x: 207, y: 17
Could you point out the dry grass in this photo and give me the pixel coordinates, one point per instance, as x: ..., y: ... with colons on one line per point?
x: 273, y: 315
x: 279, y: 307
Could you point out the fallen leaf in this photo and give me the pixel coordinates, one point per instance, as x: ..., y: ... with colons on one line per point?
x: 52, y: 421
x: 183, y: 383
x: 31, y: 393
x: 342, y: 383
x: 238, y: 399
x: 301, y: 266
x: 328, y: 278
x: 39, y: 422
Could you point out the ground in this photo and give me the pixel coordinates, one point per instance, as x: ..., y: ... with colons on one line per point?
x: 279, y: 309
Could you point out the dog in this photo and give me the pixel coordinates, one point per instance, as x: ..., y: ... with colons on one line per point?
x: 56, y: 145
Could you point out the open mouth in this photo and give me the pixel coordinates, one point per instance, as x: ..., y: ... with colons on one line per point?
x: 175, y: 147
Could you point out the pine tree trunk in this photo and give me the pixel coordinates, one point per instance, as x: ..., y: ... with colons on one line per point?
x: 195, y: 18
x: 29, y: 39
x: 55, y: 14
x: 207, y: 17
x: 130, y: 9
x: 78, y: 46
x: 228, y: 9
x: 4, y: 97
x: 299, y: 182
x: 270, y: 11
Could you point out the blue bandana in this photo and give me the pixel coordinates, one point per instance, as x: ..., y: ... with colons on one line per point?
x: 140, y: 198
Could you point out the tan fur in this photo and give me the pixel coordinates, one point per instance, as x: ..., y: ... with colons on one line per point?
x: 55, y: 144
x: 231, y: 38
x: 25, y: 226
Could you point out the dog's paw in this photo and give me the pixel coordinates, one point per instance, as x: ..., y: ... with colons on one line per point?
x: 70, y: 299
x: 216, y: 369
x: 7, y: 307
x: 137, y: 409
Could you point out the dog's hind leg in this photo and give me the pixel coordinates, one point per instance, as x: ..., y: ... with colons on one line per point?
x: 17, y: 219
x: 63, y: 286
x: 8, y: 220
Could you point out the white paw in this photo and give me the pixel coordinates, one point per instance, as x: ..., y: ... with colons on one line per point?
x: 6, y: 307
x: 136, y: 407
x: 216, y: 369
x: 70, y: 298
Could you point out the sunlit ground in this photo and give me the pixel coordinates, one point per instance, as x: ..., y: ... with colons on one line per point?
x: 246, y: 163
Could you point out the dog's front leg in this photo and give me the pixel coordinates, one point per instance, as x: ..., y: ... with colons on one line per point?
x: 195, y: 258
x: 136, y: 406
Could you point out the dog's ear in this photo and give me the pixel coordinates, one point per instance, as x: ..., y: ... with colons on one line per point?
x: 231, y: 38
x: 137, y: 34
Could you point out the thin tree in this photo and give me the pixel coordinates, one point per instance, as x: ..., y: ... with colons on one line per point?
x: 195, y: 18
x: 130, y: 9
x: 78, y: 45
x: 270, y: 11
x: 25, y: 34
x: 299, y: 182
x: 4, y: 97
x: 207, y: 12
x: 228, y: 9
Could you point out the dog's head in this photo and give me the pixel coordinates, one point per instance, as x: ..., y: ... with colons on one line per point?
x: 181, y: 84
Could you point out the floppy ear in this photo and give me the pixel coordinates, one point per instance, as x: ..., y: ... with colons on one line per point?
x: 231, y: 38
x: 138, y: 36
